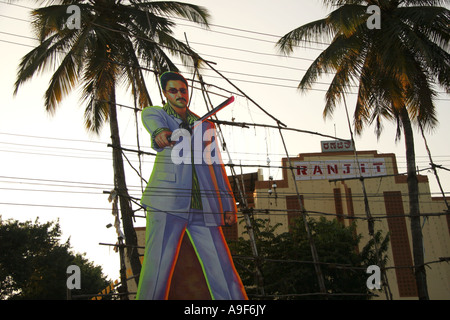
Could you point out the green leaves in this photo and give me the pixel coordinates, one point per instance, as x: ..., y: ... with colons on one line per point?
x: 33, y: 262
x: 395, y: 66
x: 115, y: 39
x: 287, y: 265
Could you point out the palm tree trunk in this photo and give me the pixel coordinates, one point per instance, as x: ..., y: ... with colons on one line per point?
x: 413, y: 191
x: 121, y: 187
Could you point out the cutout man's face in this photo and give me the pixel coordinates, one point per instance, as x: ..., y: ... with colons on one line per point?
x: 177, y: 94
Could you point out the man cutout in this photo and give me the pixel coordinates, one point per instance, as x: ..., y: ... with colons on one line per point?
x: 192, y: 197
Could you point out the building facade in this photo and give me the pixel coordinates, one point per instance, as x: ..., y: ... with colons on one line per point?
x: 329, y: 185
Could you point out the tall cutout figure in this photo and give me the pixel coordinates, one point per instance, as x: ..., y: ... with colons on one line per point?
x: 188, y: 193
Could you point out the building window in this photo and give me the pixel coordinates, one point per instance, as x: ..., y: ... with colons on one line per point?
x: 400, y: 244
x: 349, y: 198
x: 338, y: 205
x: 293, y: 209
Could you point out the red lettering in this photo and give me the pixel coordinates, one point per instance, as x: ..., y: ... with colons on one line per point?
x: 346, y: 168
x: 301, y: 170
x: 317, y: 169
x: 378, y: 166
x: 332, y: 169
x: 362, y: 166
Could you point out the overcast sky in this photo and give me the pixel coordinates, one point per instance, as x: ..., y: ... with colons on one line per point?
x: 52, y: 168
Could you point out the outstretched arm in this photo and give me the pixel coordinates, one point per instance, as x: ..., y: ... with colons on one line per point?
x: 155, y: 122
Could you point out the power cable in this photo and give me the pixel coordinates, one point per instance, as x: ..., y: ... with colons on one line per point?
x: 297, y: 192
x: 239, y: 73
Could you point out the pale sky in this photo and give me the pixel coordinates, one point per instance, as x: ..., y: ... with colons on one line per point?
x: 52, y: 168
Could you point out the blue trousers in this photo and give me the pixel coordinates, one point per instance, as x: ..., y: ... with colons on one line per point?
x: 163, y: 239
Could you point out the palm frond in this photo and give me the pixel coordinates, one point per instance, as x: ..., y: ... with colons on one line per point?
x: 395, y: 66
x: 33, y: 63
x: 194, y: 13
x: 315, y: 31
x: 348, y: 18
x: 109, y: 49
x: 62, y: 83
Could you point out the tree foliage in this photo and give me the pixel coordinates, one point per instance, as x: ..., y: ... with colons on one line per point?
x: 286, y: 261
x: 115, y: 41
x: 396, y: 67
x: 33, y: 263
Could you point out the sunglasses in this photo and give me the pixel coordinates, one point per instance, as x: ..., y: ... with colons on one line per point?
x: 175, y: 91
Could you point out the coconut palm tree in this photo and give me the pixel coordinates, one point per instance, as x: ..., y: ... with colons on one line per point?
x: 99, y: 44
x: 395, y: 66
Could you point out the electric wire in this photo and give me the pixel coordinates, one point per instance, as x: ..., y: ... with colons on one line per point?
x: 308, y: 211
x: 229, y: 72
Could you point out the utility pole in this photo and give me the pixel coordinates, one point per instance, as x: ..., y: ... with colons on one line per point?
x: 315, y: 256
x: 123, y: 273
x: 122, y: 191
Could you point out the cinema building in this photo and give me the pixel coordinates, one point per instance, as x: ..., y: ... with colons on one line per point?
x: 328, y: 184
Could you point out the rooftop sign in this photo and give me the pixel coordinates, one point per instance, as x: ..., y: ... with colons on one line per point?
x: 336, y: 145
x: 336, y: 169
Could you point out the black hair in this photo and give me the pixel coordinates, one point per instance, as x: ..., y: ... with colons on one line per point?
x: 170, y: 75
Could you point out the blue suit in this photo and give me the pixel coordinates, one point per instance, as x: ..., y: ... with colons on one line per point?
x: 170, y: 185
x: 167, y: 199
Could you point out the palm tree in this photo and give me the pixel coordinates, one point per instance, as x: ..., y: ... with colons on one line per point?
x: 395, y: 68
x: 112, y: 43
